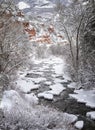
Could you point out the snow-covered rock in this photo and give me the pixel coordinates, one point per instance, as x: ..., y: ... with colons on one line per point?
x: 26, y: 85
x: 79, y: 125
x: 91, y: 115
x: 58, y: 80
x: 48, y: 83
x: 56, y: 89
x: 85, y: 96
x: 71, y: 118
x: 46, y: 95
x: 38, y: 80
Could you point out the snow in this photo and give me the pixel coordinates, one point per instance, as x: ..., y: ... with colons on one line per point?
x: 44, y: 4
x: 46, y: 95
x: 85, y: 96
x: 58, y: 80
x: 71, y: 118
x: 38, y: 80
x: 21, y: 19
x: 48, y: 83
x: 91, y: 115
x: 72, y: 85
x: 39, y: 115
x: 79, y: 125
x: 22, y: 5
x: 56, y: 89
x: 26, y: 85
x: 10, y: 97
x: 6, y: 103
x: 31, y: 98
x: 58, y: 68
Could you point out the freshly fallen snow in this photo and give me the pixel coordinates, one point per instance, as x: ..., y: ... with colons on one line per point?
x: 26, y: 85
x: 46, y: 95
x: 79, y: 125
x: 85, y: 96
x: 91, y: 115
x: 56, y: 89
x: 22, y: 5
x: 72, y: 85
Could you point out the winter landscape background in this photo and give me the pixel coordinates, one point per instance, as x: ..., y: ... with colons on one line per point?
x: 47, y: 64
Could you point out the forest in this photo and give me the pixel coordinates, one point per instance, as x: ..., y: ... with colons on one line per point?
x: 47, y: 64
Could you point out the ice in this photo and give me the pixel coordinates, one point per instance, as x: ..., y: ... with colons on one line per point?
x: 85, y: 96
x: 91, y: 115
x: 79, y: 125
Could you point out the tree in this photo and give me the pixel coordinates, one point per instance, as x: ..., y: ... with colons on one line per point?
x: 78, y: 23
x: 13, y: 40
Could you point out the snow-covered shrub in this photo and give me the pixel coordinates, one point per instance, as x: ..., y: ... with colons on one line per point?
x: 17, y: 111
